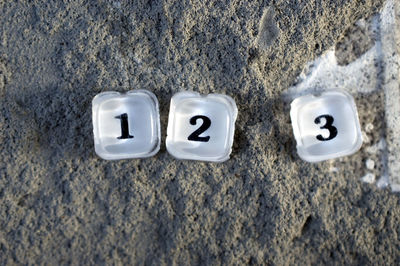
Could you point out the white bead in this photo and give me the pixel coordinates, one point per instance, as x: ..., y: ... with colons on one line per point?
x: 325, y: 126
x: 126, y: 125
x: 201, y: 127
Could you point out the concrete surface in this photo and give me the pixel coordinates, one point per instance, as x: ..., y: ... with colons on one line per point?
x: 60, y: 204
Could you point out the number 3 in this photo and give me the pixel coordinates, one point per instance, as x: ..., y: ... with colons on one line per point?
x: 328, y: 125
x: 195, y: 136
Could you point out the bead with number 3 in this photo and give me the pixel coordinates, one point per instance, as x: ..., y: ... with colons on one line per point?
x: 325, y: 126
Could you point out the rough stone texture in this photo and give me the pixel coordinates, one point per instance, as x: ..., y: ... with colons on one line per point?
x: 60, y: 203
x: 357, y: 40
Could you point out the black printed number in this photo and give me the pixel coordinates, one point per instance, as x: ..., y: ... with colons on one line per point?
x: 328, y: 125
x: 124, y: 126
x: 195, y: 136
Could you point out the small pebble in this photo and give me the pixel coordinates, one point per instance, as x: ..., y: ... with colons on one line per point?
x: 369, y: 127
x: 368, y: 178
x: 370, y: 164
x: 333, y: 169
x: 365, y: 137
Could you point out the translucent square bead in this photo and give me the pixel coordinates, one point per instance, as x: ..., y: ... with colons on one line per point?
x: 201, y: 127
x: 325, y: 126
x: 126, y: 125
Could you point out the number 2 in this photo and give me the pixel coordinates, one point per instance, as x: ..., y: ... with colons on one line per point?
x: 328, y: 125
x: 124, y: 126
x: 195, y: 136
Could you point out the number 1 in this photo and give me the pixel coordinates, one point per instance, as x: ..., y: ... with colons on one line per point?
x: 124, y: 126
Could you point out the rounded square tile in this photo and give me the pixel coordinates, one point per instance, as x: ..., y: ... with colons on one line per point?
x: 325, y: 126
x: 126, y: 125
x: 201, y: 127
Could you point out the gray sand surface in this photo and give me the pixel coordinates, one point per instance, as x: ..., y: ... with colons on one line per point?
x: 61, y: 204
